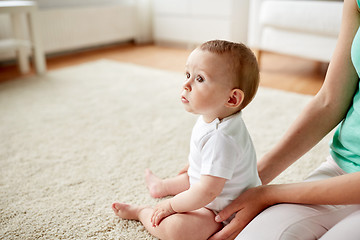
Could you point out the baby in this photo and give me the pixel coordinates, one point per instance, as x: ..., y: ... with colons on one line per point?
x: 221, y: 79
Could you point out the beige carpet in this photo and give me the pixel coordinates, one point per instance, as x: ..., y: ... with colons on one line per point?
x: 79, y: 138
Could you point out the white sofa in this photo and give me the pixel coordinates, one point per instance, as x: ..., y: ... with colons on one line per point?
x: 307, y: 29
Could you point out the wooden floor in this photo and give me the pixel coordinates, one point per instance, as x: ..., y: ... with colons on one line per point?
x: 281, y: 72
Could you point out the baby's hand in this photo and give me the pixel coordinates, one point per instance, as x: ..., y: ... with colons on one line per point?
x: 161, y: 211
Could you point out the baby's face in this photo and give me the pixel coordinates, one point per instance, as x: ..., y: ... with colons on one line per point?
x: 208, y: 84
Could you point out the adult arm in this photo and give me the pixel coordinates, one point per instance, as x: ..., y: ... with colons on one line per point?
x: 334, y: 191
x: 326, y: 109
x: 320, y: 116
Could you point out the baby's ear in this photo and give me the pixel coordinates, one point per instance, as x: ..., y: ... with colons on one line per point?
x: 235, y: 99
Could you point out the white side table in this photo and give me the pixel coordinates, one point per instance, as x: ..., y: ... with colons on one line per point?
x: 19, y: 41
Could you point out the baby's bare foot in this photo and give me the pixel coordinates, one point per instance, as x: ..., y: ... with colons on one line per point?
x: 126, y: 211
x: 155, y: 185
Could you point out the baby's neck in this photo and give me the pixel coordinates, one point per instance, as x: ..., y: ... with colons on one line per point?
x: 210, y: 119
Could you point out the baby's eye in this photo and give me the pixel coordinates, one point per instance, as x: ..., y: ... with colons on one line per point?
x: 187, y: 75
x: 199, y: 79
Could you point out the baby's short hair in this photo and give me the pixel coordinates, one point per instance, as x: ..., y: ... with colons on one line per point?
x: 243, y: 63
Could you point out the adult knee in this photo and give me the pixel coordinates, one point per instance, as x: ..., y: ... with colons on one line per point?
x: 346, y: 228
x: 283, y: 222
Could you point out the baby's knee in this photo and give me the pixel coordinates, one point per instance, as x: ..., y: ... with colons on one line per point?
x: 175, y: 231
x: 179, y: 228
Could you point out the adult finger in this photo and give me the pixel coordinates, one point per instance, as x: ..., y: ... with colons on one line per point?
x: 234, y: 235
x: 229, y: 210
x: 230, y: 231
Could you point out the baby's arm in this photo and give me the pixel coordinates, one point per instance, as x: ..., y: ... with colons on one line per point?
x: 197, y: 196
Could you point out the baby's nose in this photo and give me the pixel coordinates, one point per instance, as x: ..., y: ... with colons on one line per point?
x: 187, y: 85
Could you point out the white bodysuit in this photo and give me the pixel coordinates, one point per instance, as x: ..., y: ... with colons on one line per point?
x: 223, y: 149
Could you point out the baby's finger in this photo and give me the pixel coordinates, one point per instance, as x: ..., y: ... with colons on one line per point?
x: 158, y: 219
x: 153, y: 217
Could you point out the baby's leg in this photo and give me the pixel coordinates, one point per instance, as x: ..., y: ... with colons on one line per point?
x: 197, y: 225
x: 159, y: 188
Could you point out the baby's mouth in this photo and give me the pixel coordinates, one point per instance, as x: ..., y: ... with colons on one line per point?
x: 184, y: 100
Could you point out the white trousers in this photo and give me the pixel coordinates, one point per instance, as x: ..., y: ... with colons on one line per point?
x: 307, y: 222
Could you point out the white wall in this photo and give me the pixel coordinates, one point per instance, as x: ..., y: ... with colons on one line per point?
x: 68, y: 25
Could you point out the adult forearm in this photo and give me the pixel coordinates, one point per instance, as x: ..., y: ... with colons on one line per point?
x: 334, y: 191
x: 341, y: 190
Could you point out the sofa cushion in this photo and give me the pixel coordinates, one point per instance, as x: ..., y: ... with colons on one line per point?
x: 319, y: 17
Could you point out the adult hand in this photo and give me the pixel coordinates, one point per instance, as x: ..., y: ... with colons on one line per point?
x: 247, y: 205
x: 161, y: 211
